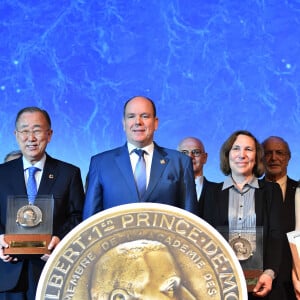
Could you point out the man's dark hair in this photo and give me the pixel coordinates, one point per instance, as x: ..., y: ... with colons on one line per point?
x: 33, y: 109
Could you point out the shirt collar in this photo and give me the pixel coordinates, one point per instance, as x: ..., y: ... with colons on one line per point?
x: 149, y: 149
x: 199, y: 179
x: 228, y: 182
x: 40, y: 164
x: 282, y: 180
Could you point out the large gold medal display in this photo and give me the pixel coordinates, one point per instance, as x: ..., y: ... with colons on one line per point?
x: 143, y: 251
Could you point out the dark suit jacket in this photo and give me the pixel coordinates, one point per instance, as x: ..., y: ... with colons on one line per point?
x: 268, y: 208
x: 60, y: 179
x: 283, y: 285
x: 197, y: 206
x: 111, y: 181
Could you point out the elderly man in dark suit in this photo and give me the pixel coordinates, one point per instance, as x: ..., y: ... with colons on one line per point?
x: 168, y: 174
x: 19, y: 276
x: 277, y: 155
x: 194, y: 148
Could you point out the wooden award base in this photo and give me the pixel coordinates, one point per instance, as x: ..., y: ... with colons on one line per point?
x: 28, y: 244
x: 251, y: 277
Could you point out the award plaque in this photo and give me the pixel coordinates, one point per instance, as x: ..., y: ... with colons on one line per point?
x: 29, y: 226
x: 248, y: 248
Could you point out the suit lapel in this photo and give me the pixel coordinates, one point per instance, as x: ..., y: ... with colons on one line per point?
x: 49, y: 176
x: 17, y: 177
x: 291, y: 186
x: 158, y: 166
x: 123, y: 162
x: 259, y: 202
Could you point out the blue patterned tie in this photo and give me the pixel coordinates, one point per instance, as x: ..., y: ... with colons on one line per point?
x: 140, y: 172
x: 31, y: 184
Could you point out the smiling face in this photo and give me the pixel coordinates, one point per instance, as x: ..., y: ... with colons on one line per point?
x: 276, y: 158
x: 139, y: 122
x: 242, y: 156
x: 33, y: 134
x: 195, y: 150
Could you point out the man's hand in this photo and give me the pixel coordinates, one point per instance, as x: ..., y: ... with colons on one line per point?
x: 296, y: 283
x: 5, y: 257
x: 263, y: 286
x: 53, y: 243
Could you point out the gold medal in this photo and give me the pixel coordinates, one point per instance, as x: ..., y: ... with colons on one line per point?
x: 29, y: 216
x: 143, y: 251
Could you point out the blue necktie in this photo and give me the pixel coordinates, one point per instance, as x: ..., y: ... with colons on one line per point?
x: 31, y: 184
x: 140, y: 172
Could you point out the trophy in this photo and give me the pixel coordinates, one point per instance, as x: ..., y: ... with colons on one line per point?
x: 29, y: 226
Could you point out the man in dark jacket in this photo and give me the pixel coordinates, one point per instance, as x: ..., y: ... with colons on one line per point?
x: 19, y: 277
x: 277, y: 155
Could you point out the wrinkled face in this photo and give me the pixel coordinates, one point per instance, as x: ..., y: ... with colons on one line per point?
x: 242, y: 156
x: 151, y: 276
x: 195, y: 150
x: 276, y: 158
x: 139, y: 122
x: 33, y: 134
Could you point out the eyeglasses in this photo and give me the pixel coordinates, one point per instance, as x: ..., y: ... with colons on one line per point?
x: 279, y: 153
x: 194, y: 152
x: 36, y: 133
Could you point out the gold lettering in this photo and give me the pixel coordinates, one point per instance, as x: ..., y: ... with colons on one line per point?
x: 51, y: 296
x: 63, y: 268
x: 143, y: 219
x: 210, y: 248
x: 127, y: 220
x: 220, y: 262
x: 56, y: 281
x: 228, y: 284
x: 71, y: 255
x: 181, y: 227
x: 164, y: 222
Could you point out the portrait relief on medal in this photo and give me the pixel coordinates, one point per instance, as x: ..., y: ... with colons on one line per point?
x: 138, y: 269
x: 29, y: 216
x: 143, y: 251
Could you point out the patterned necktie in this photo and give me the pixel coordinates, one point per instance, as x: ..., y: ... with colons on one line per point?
x: 31, y: 184
x: 140, y: 172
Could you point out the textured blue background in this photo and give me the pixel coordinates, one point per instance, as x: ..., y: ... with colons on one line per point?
x: 212, y: 67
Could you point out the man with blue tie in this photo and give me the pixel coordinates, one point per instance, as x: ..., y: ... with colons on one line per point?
x: 113, y: 180
x: 36, y: 172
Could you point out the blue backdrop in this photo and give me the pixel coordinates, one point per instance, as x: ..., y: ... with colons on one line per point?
x: 212, y: 67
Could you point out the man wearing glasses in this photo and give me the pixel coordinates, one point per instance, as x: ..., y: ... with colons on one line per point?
x: 194, y: 148
x: 19, y: 276
x: 277, y: 155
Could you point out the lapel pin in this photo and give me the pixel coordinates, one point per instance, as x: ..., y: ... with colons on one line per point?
x: 162, y: 161
x: 51, y: 176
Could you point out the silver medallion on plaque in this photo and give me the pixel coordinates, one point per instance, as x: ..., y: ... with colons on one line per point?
x: 143, y: 251
x: 29, y: 216
x: 241, y: 247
